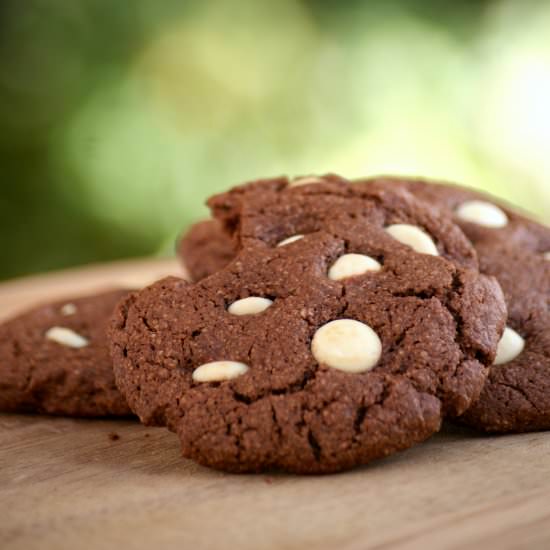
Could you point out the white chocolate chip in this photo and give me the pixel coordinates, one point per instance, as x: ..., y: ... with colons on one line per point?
x: 66, y: 337
x: 414, y: 237
x: 546, y: 256
x: 482, y: 213
x: 249, y: 306
x: 347, y: 345
x: 217, y: 371
x: 305, y: 181
x: 289, y: 240
x: 510, y: 346
x: 351, y: 265
x: 68, y: 309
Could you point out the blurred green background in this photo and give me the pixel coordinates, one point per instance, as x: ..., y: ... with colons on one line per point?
x: 118, y: 118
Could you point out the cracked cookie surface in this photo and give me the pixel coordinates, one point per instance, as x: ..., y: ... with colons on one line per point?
x: 270, y: 383
x: 55, y: 359
x: 514, y: 249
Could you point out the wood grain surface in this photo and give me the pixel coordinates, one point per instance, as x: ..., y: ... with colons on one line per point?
x: 83, y: 484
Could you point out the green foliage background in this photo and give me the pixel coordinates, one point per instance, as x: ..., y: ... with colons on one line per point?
x: 118, y: 118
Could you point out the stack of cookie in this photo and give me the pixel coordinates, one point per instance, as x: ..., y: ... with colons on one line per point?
x: 329, y: 323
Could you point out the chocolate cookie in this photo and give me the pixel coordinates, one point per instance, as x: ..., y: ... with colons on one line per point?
x: 352, y: 320
x: 209, y: 245
x: 55, y: 360
x: 516, y: 250
x: 205, y: 249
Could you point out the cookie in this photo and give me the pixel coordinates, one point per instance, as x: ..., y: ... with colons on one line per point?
x: 515, y: 250
x: 55, y: 360
x: 208, y: 246
x: 352, y: 320
x: 205, y: 249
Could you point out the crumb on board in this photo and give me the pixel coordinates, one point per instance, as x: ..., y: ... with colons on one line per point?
x: 113, y: 436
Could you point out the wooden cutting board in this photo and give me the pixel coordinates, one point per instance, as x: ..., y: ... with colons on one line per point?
x: 83, y: 484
